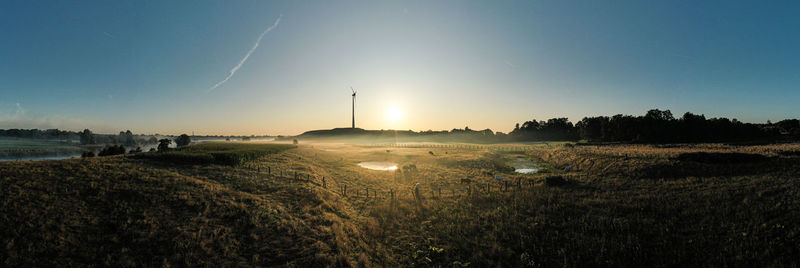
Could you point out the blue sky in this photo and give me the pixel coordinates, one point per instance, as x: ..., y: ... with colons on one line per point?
x: 148, y: 65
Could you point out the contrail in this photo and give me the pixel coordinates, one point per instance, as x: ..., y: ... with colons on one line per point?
x: 236, y: 68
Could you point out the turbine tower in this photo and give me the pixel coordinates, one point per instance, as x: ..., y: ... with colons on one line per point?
x: 354, y: 107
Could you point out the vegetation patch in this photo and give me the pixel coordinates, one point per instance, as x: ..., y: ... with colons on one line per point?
x: 555, y: 181
x: 721, y: 158
x: 231, y: 154
x: 789, y: 153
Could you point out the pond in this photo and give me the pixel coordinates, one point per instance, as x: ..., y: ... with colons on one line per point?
x: 385, y: 166
x: 524, y: 166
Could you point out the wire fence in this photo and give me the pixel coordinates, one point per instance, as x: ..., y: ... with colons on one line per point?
x: 412, y: 191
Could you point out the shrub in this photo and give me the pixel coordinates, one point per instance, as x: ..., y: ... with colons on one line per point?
x: 163, y: 145
x: 183, y: 140
x: 112, y: 150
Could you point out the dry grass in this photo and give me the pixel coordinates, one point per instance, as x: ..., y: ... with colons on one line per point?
x: 621, y: 205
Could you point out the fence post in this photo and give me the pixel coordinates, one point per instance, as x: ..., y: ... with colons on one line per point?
x: 506, y: 186
x: 323, y: 183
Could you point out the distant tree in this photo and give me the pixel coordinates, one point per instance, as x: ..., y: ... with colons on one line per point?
x: 593, y: 128
x: 657, y: 114
x: 127, y: 138
x: 552, y: 129
x: 87, y: 154
x: 152, y: 140
x: 163, y: 145
x: 658, y: 126
x: 137, y: 150
x: 183, y: 140
x: 789, y: 125
x: 87, y: 137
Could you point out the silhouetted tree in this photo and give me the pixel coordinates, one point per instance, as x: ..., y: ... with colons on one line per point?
x: 552, y: 129
x: 87, y: 137
x: 126, y: 138
x: 183, y: 140
x: 661, y: 127
x: 163, y: 145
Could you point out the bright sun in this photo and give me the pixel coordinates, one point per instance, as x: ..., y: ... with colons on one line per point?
x: 394, y: 114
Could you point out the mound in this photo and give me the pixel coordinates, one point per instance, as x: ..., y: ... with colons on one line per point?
x: 118, y: 211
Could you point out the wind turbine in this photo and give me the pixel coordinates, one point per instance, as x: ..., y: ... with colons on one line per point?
x: 354, y: 106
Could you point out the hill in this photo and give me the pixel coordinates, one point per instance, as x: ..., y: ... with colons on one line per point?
x: 124, y: 211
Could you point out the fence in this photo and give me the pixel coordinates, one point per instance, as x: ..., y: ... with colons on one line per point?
x: 434, y: 190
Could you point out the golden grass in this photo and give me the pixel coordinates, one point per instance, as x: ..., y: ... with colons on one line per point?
x: 618, y: 208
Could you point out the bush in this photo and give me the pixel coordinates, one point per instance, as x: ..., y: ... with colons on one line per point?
x: 183, y: 140
x: 163, y: 145
x: 87, y: 154
x: 112, y: 150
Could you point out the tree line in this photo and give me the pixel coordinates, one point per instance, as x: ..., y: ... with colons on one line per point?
x: 656, y: 126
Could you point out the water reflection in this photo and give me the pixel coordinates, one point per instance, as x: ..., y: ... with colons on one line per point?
x: 378, y: 165
x: 524, y: 166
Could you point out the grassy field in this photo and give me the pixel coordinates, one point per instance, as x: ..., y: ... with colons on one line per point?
x: 598, y: 205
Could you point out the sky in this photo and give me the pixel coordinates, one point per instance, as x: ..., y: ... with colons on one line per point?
x: 281, y: 68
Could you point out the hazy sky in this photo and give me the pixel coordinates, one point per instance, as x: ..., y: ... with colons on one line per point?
x: 230, y: 67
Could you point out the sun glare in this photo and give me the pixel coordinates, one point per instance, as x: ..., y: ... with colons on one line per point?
x: 394, y: 114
